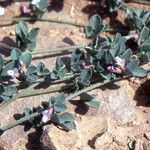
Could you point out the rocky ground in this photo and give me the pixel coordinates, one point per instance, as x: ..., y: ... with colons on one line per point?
x: 122, y: 122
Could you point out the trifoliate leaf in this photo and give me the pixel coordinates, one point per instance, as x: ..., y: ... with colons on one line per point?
x: 33, y: 34
x: 127, y: 55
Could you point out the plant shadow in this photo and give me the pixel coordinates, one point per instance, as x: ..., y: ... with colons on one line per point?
x: 34, y: 140
x: 8, y: 41
x: 81, y: 108
x: 110, y: 86
x: 96, y: 8
x: 56, y: 5
x: 6, y: 3
x: 142, y: 95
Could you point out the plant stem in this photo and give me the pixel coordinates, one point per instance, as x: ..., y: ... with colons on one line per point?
x: 58, y: 50
x: 31, y: 91
x: 61, y: 21
x: 70, y: 97
x: 144, y: 2
x: 17, y: 122
x: 41, y: 53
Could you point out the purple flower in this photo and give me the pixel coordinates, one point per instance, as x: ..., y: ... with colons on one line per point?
x: 47, y: 114
x: 113, y: 69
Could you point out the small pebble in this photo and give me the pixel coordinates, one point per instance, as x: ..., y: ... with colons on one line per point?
x: 12, y: 33
x: 2, y: 11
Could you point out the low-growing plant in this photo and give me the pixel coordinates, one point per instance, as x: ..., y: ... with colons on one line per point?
x: 102, y: 61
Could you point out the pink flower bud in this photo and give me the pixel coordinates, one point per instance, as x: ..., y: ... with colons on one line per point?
x: 136, y: 37
x: 24, y: 9
x: 111, y: 69
x: 21, y: 63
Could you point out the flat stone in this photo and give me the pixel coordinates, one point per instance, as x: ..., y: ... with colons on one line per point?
x: 119, y: 103
x: 104, y: 141
x: 87, y: 131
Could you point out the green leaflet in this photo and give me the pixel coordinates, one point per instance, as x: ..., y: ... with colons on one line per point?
x: 89, y: 100
x: 7, y: 92
x: 15, y: 54
x: 26, y: 58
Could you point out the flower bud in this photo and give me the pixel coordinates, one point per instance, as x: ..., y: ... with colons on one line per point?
x: 45, y: 119
x: 136, y: 37
x: 24, y: 9
x: 111, y: 69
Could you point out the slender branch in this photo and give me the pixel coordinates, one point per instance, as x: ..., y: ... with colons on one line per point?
x: 17, y: 122
x: 43, y: 19
x: 144, y: 2
x: 61, y: 49
x: 43, y: 52
x: 70, y: 97
x: 31, y: 91
x: 61, y: 21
